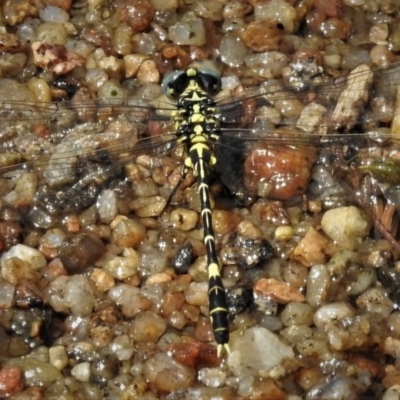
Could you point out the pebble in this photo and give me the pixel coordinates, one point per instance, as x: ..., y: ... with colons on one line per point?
x: 147, y: 327
x: 53, y: 14
x: 58, y: 357
x: 81, y: 372
x: 132, y: 298
x: 81, y: 251
x: 296, y: 313
x: 257, y: 349
x: 7, y: 291
x: 267, y: 65
x: 168, y: 375
x: 212, y: 377
x: 11, y: 381
x: 71, y: 295
x: 189, y: 31
x: 36, y: 372
x: 122, y: 267
x: 132, y: 63
x: 55, y: 57
x: 375, y: 300
x: 233, y: 50
x: 183, y: 219
x: 346, y: 226
x: 102, y: 279
x: 331, y: 314
x: 148, y: 72
x: 277, y: 10
x: 280, y: 292
x: 312, y: 249
x: 318, y: 282
x: 339, y: 388
x: 263, y: 35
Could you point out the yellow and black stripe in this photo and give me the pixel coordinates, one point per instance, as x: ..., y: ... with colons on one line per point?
x: 197, y: 128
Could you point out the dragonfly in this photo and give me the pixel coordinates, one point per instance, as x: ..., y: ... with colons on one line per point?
x: 61, y: 158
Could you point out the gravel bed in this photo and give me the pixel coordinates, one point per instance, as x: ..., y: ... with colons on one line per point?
x: 103, y: 276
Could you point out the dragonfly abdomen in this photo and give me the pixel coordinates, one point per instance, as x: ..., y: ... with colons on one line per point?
x: 197, y: 129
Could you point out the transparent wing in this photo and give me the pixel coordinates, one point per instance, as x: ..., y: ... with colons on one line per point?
x: 59, y: 157
x: 336, y: 141
x: 365, y: 95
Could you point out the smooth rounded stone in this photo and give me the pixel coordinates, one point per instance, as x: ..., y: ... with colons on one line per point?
x: 147, y: 327
x: 232, y: 50
x: 342, y: 388
x: 224, y: 221
x: 42, y: 92
x: 188, y: 31
x: 122, y: 347
x: 7, y: 291
x: 375, y: 300
x: 71, y: 295
x: 283, y: 233
x: 197, y: 294
x: 295, y: 334
x: 272, y: 323
x: 53, y: 14
x: 335, y: 28
x: 363, y: 280
x: 11, y: 381
x: 297, y: 314
x: 81, y: 251
x: 279, y: 11
x: 167, y: 375
x: 256, y: 349
x: 212, y: 377
x: 81, y: 372
x: 346, y: 226
x: 58, y: 357
x: 318, y: 281
x: 393, y: 393
x: 36, y: 372
x: 379, y: 33
x: 331, y: 314
x: 268, y: 64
